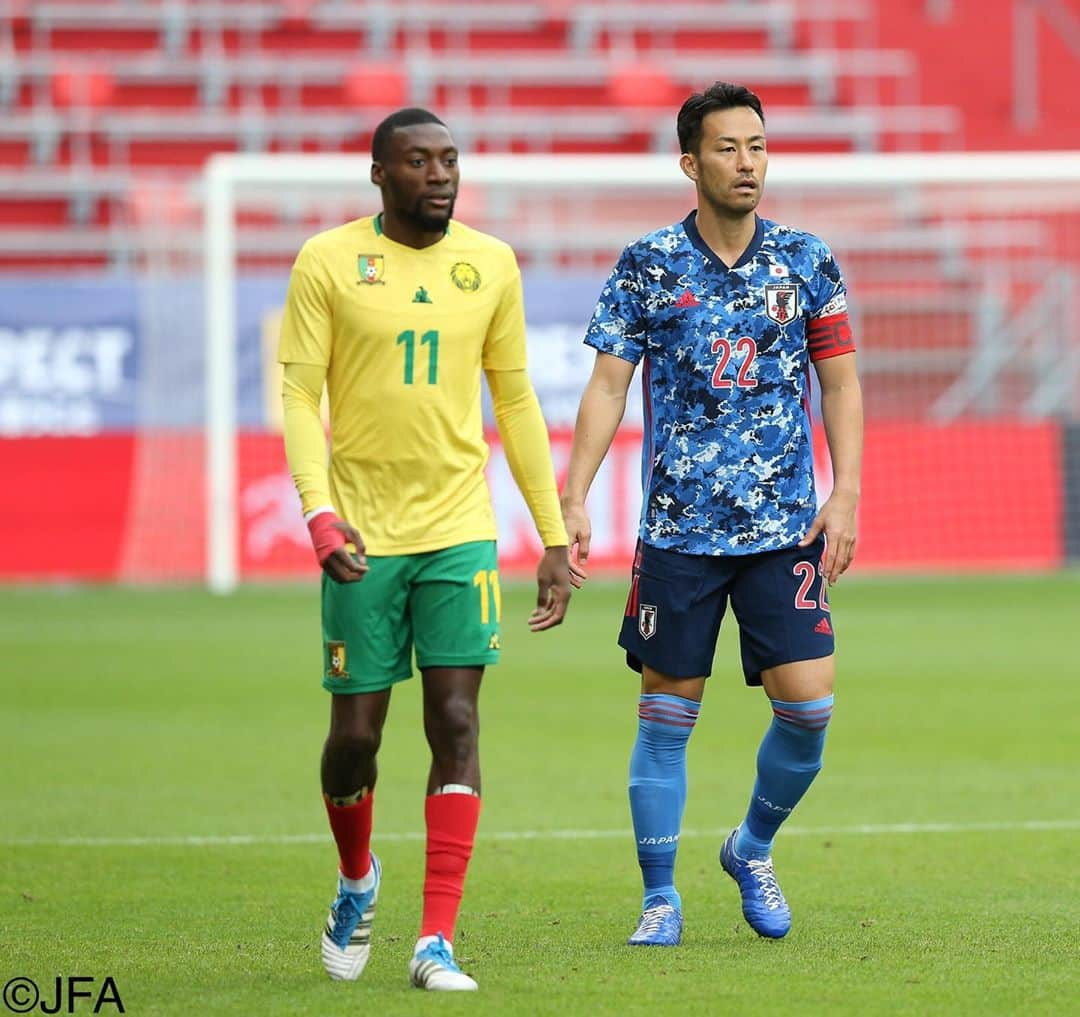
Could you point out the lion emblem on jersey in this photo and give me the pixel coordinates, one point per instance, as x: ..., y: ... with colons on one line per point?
x: 465, y: 277
x: 781, y: 302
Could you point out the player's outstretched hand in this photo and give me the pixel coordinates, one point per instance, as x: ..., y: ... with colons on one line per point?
x: 836, y: 520
x: 552, y: 589
x: 329, y: 535
x: 579, y: 530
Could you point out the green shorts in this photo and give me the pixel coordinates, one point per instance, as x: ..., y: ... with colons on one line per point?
x: 446, y: 602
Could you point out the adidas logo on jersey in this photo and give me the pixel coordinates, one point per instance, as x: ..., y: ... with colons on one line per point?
x: 824, y: 627
x: 687, y: 299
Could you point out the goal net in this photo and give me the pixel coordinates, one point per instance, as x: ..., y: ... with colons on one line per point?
x: 963, y: 274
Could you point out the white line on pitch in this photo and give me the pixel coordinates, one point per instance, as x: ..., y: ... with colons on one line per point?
x: 863, y: 829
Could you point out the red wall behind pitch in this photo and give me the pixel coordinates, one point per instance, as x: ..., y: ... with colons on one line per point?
x: 64, y: 510
x: 962, y: 496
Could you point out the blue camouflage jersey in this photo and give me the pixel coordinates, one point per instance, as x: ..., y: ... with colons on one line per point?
x: 727, y: 462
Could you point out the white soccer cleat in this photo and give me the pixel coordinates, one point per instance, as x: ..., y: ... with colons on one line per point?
x: 433, y: 968
x: 346, y: 940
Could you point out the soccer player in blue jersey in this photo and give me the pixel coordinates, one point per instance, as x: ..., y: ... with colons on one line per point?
x: 727, y: 311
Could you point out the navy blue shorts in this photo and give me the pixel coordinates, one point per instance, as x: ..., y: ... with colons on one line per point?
x: 677, y: 602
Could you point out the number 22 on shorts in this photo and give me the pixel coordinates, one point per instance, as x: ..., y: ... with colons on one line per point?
x: 809, y: 573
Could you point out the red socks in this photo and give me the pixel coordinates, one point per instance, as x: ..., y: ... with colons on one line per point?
x: 352, y: 831
x: 451, y: 829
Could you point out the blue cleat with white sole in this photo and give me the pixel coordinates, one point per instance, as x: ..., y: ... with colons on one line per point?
x: 346, y: 940
x: 660, y: 924
x: 763, y: 905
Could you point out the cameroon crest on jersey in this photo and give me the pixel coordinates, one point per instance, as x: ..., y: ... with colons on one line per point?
x: 371, y: 268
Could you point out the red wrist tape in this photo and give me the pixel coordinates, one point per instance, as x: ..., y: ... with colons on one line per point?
x: 325, y: 538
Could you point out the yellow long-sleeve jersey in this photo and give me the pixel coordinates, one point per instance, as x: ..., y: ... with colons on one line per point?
x: 401, y: 337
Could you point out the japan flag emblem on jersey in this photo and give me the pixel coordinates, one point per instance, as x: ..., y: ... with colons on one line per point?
x: 646, y: 621
x: 781, y: 302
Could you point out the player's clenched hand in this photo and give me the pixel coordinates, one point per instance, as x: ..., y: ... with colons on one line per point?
x: 836, y: 520
x: 552, y: 589
x: 329, y: 535
x: 579, y: 530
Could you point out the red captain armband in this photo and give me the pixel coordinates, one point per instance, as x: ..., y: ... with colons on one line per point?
x: 325, y: 537
x: 830, y: 337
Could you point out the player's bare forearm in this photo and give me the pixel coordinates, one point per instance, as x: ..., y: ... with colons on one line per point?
x: 842, y: 415
x: 601, y: 411
x: 598, y: 419
x: 599, y: 415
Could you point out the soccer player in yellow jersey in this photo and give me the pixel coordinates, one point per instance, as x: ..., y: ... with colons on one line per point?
x: 398, y: 315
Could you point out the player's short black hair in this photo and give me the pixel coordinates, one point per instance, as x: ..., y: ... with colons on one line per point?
x: 408, y: 117
x: 719, y: 95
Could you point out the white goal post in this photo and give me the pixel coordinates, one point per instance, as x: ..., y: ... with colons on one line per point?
x: 985, y: 189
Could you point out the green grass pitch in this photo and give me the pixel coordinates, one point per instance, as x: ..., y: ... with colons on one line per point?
x: 931, y: 870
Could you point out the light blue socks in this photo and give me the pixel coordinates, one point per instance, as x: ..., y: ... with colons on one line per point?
x: 787, y: 763
x: 658, y: 787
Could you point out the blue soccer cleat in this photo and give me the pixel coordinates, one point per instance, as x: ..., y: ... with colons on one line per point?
x: 346, y: 940
x: 433, y: 968
x: 763, y: 905
x: 660, y: 924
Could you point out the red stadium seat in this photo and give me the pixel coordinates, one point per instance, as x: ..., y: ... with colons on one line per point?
x: 375, y: 85
x: 643, y: 86
x: 82, y: 89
